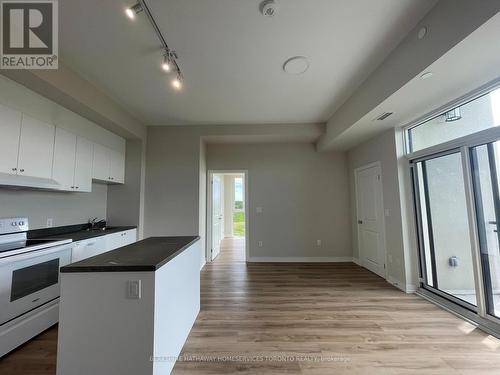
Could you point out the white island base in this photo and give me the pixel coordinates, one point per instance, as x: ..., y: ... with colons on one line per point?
x: 103, y: 330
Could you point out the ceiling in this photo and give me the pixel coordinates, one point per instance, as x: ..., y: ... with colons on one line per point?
x: 472, y: 63
x: 232, y: 56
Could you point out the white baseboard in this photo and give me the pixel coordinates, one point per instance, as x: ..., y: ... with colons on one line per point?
x: 300, y: 259
x: 356, y: 260
x: 407, y: 288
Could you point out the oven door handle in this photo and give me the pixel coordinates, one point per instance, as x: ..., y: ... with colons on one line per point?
x: 36, y: 253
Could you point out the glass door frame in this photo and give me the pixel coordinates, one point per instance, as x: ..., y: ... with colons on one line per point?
x: 420, y: 230
x: 464, y: 146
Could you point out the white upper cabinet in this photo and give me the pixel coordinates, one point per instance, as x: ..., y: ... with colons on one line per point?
x: 72, y: 167
x: 36, y: 148
x: 100, y: 168
x: 10, y: 130
x: 83, y: 165
x: 117, y: 167
x: 64, y: 159
x: 36, y: 154
x: 108, y: 165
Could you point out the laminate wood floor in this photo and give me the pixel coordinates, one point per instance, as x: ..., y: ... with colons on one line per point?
x: 307, y: 319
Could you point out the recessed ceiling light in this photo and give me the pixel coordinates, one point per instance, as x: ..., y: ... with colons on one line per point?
x: 296, y: 65
x: 426, y: 75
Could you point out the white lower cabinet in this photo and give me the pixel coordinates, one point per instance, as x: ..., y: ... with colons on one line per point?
x: 116, y: 240
x: 88, y: 248
x: 94, y: 246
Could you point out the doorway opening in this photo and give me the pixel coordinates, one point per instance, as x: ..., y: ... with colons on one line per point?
x: 227, y: 224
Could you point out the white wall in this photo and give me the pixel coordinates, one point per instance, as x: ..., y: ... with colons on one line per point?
x: 383, y: 149
x: 64, y: 208
x: 304, y: 196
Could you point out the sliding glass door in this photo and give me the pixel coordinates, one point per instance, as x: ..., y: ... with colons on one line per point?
x: 485, y: 164
x: 445, y: 246
x: 455, y: 166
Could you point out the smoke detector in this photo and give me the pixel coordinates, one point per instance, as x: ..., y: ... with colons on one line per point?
x: 268, y: 8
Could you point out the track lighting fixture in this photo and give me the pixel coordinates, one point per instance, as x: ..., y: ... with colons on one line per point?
x: 177, y: 82
x: 133, y: 10
x: 169, y: 63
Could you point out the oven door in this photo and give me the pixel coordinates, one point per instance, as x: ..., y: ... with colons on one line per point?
x: 30, y: 279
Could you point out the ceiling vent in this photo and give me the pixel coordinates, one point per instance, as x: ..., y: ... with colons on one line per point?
x: 383, y: 116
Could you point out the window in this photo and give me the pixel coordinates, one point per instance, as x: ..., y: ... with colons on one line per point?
x: 479, y: 114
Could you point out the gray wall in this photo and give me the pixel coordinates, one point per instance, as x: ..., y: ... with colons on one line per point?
x: 63, y: 207
x: 172, y: 182
x: 383, y: 149
x: 124, y: 201
x: 304, y: 196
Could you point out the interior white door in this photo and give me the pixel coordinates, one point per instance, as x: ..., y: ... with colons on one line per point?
x: 10, y: 130
x: 370, y: 219
x: 83, y: 165
x: 217, y: 202
x: 64, y: 159
x: 36, y: 148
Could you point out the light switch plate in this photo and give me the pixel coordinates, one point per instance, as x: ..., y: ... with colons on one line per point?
x: 134, y: 289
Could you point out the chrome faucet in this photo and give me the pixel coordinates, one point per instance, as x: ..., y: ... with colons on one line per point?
x: 93, y: 223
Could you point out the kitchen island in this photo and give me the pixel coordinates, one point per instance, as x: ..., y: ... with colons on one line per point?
x: 130, y: 310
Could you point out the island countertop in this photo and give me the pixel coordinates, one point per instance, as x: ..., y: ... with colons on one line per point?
x: 142, y: 256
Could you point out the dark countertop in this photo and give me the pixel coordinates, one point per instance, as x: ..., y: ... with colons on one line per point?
x: 143, y: 256
x: 78, y: 232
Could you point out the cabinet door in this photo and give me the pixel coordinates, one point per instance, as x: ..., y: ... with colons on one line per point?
x: 10, y: 130
x: 95, y: 246
x: 117, y: 167
x: 83, y: 165
x: 114, y: 241
x: 63, y: 169
x: 78, y: 251
x: 36, y: 148
x: 100, y: 165
x: 128, y: 237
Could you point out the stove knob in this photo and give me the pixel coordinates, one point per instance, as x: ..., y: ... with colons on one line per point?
x: 13, y: 223
x: 21, y: 223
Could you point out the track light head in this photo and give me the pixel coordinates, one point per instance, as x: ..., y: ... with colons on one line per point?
x: 177, y: 82
x: 133, y: 10
x: 167, y: 61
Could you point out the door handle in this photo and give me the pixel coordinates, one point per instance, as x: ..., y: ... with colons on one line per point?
x: 360, y: 222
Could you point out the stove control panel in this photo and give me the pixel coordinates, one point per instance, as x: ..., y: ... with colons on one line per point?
x: 14, y: 225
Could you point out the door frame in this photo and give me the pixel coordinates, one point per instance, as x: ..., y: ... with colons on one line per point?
x: 209, y: 197
x: 381, y: 208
